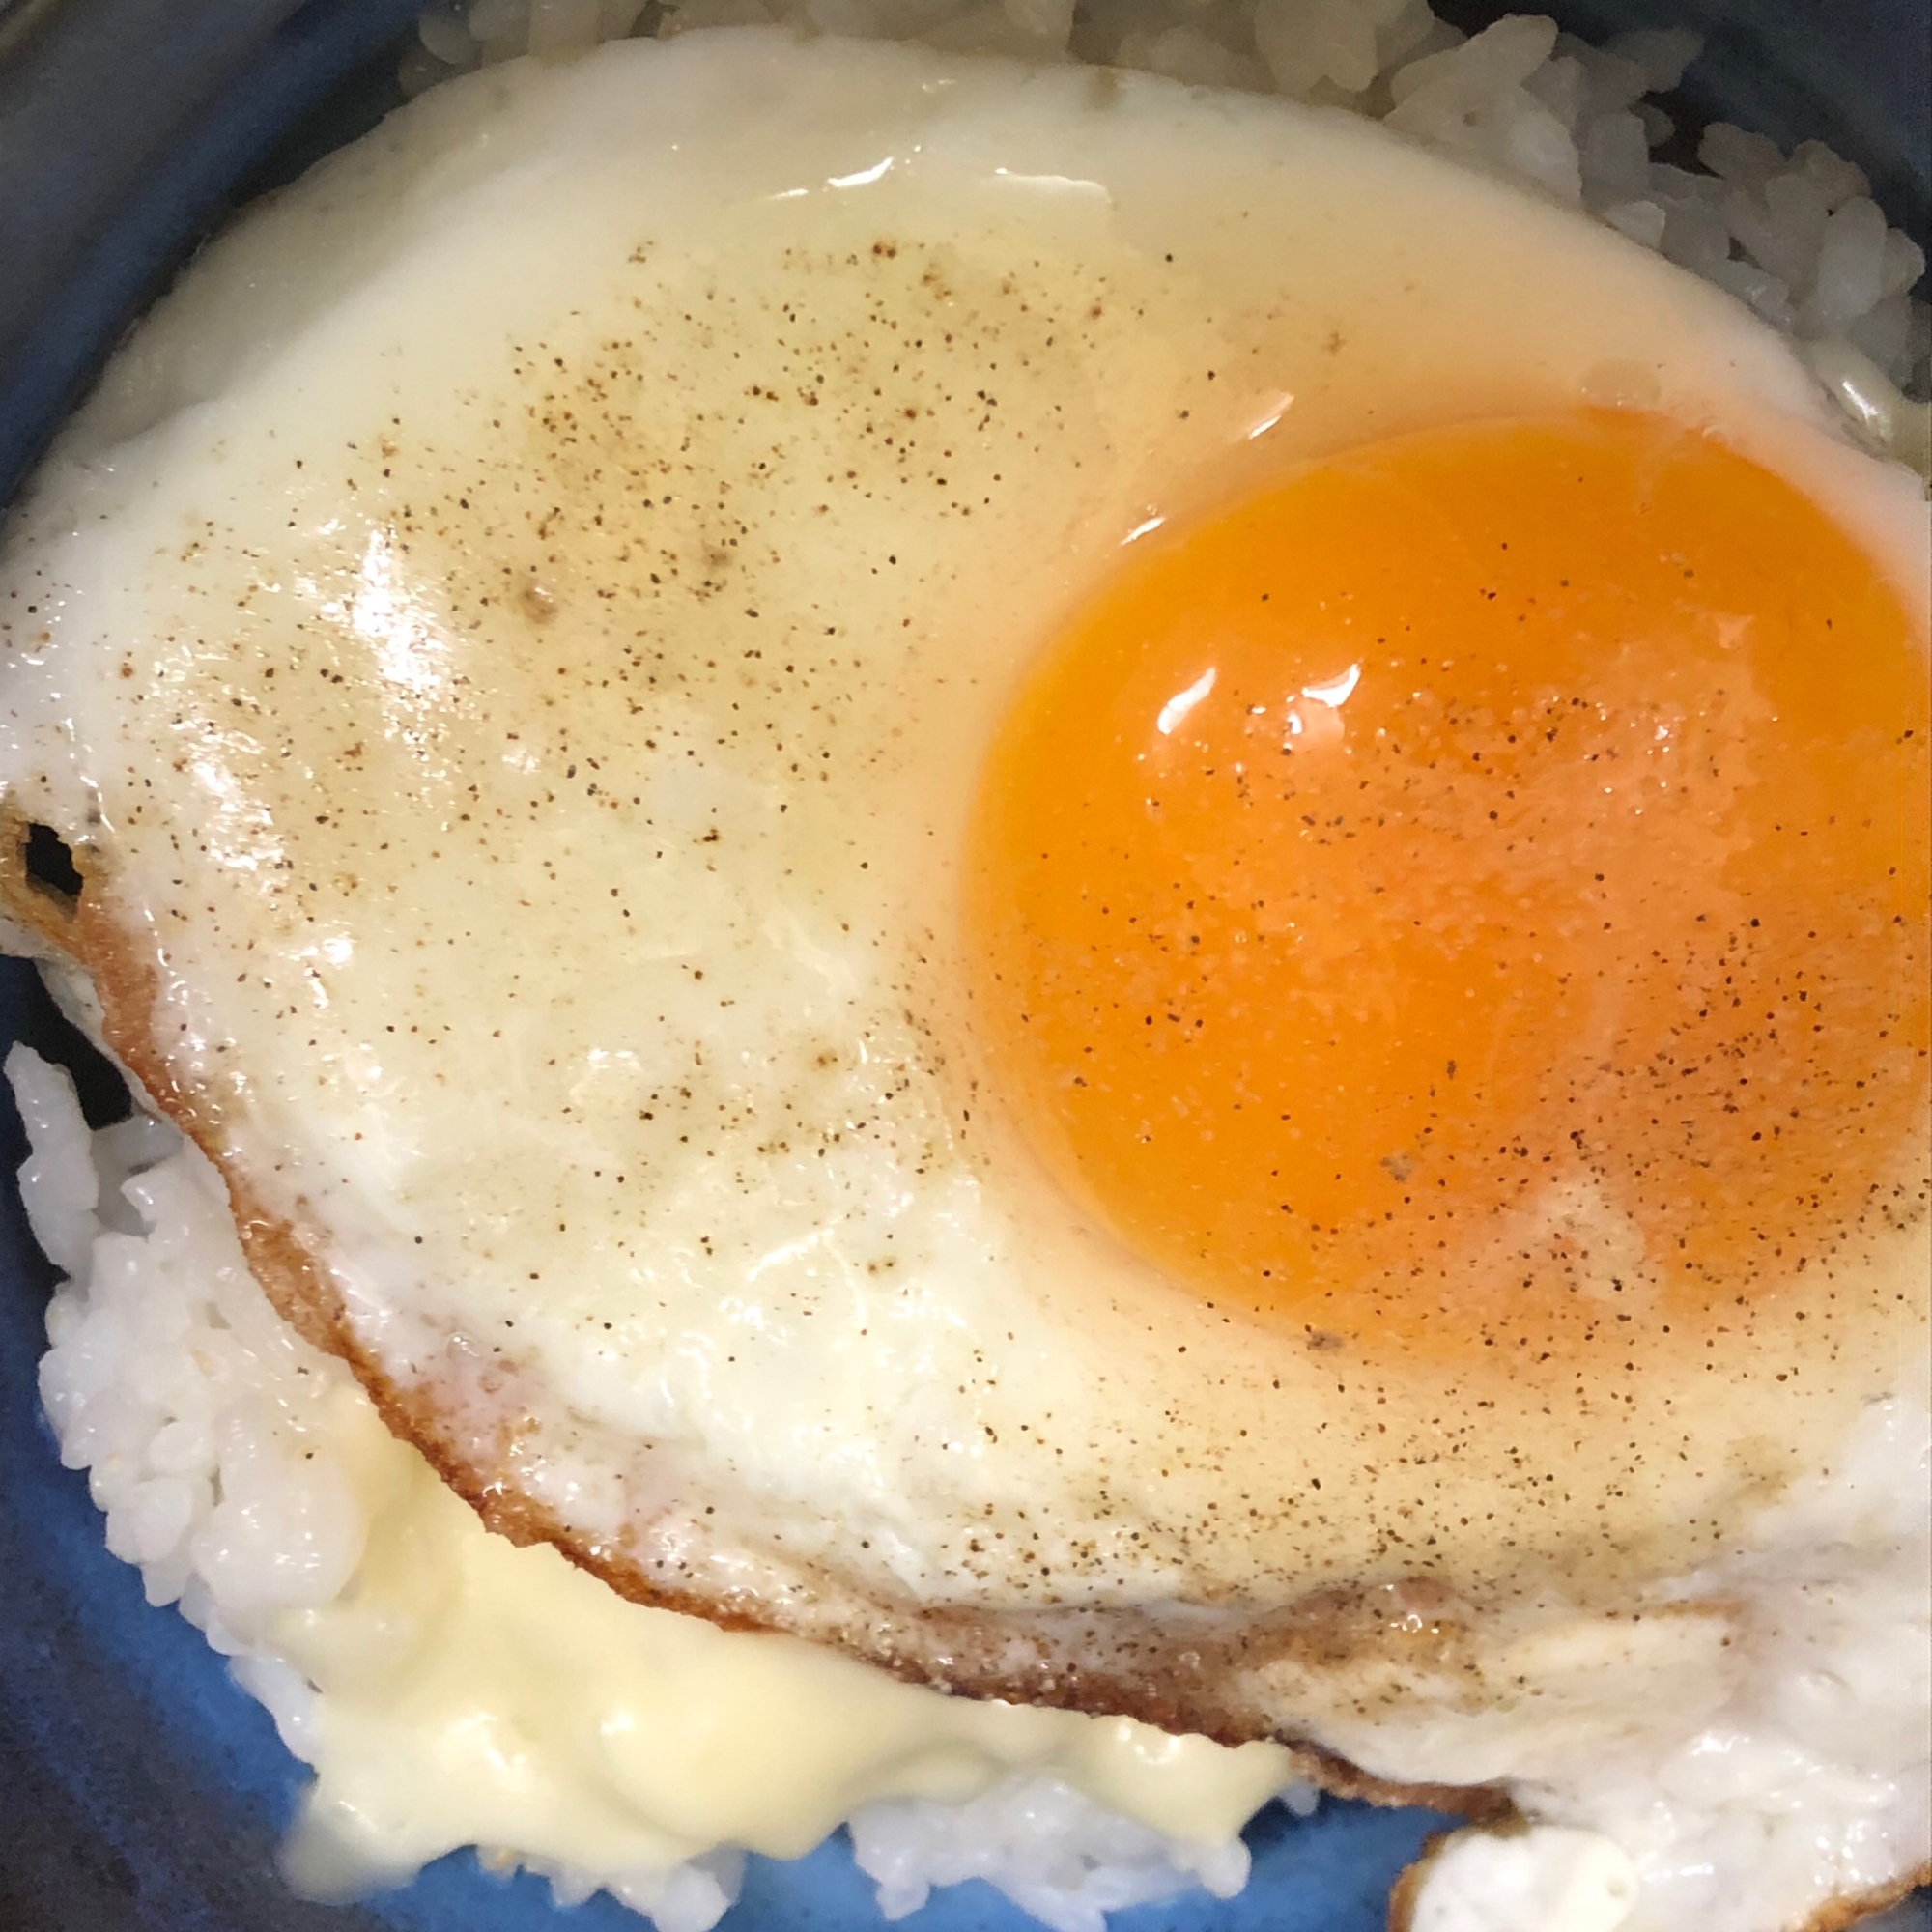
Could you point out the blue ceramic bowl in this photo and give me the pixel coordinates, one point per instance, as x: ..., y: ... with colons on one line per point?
x: 139, y: 1790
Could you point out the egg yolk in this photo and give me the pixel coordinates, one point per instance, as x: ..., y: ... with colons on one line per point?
x: 1484, y: 862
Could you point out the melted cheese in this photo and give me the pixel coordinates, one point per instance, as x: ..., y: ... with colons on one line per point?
x: 473, y: 1692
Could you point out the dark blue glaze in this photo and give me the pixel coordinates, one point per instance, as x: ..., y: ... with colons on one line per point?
x: 139, y: 1790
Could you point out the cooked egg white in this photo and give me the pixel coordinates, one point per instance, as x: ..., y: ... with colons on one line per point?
x: 514, y: 647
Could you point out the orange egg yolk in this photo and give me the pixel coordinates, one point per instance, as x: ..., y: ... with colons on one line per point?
x: 1483, y: 861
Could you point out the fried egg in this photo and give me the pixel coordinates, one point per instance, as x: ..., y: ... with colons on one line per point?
x: 1092, y: 887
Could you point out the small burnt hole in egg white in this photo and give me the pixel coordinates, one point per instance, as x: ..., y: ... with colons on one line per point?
x: 49, y: 864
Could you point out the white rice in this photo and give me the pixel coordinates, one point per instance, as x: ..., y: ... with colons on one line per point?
x: 214, y: 1443
x: 1796, y: 237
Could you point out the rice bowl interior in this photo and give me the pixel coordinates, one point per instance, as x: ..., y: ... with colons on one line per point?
x: 159, y: 1514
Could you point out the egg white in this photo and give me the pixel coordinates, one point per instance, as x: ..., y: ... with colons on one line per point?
x: 522, y: 670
